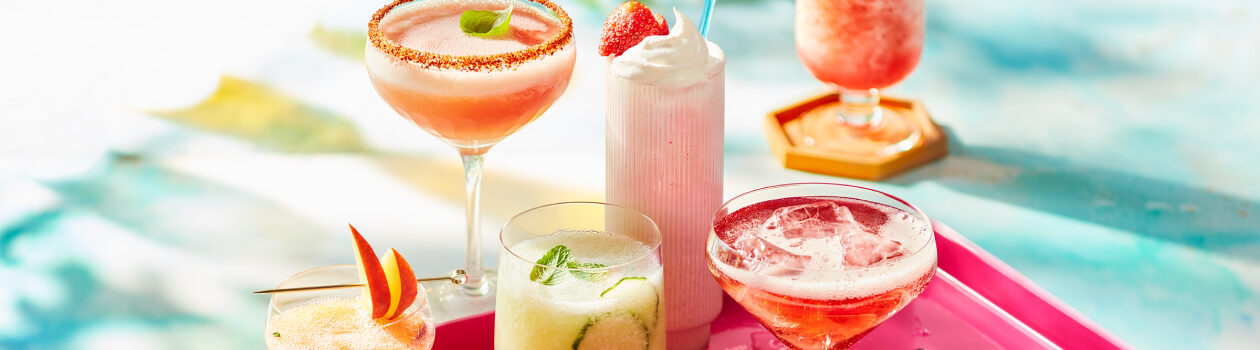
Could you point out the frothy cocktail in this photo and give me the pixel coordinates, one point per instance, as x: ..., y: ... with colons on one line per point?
x: 591, y: 309
x: 470, y: 72
x: 471, y: 104
x: 859, y: 44
x: 346, y: 323
x: 580, y: 276
x: 375, y: 304
x: 859, y: 47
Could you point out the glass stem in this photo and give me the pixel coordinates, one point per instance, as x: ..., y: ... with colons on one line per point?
x: 476, y: 284
x: 859, y: 108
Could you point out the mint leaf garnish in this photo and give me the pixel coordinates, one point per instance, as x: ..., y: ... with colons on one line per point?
x: 485, y: 23
x: 552, y: 278
x: 546, y: 271
x: 588, y: 275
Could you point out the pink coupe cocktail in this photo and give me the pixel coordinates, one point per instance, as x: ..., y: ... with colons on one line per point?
x: 820, y: 265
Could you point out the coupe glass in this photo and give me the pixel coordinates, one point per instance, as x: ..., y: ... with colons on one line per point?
x: 338, y: 319
x: 859, y: 47
x: 820, y: 306
x: 469, y: 93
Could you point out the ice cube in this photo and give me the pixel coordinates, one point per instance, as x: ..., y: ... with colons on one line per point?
x: 822, y: 234
x: 813, y: 220
x: 864, y: 248
x: 763, y: 250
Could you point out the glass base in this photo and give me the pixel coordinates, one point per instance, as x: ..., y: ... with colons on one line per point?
x: 450, y: 301
x: 889, y: 133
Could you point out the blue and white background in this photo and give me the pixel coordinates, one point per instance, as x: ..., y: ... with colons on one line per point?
x: 159, y: 160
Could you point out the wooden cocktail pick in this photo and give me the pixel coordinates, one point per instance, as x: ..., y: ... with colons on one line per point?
x: 456, y: 277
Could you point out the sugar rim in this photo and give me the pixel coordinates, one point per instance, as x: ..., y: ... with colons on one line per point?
x: 915, y: 210
x: 471, y: 63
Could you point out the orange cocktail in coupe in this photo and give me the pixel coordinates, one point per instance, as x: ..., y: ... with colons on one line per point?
x: 470, y: 103
x: 470, y: 72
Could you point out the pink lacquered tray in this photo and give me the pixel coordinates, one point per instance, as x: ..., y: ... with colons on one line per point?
x: 975, y: 301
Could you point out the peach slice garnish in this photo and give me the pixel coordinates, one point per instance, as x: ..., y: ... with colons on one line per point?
x: 402, y: 283
x: 376, y: 282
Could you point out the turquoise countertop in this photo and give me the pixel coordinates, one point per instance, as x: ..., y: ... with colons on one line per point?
x: 160, y: 160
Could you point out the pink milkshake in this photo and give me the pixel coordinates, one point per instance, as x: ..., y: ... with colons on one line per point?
x: 664, y: 153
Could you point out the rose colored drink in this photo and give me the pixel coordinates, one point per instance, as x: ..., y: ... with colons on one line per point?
x: 821, y: 271
x: 469, y: 109
x: 859, y: 44
x: 470, y: 89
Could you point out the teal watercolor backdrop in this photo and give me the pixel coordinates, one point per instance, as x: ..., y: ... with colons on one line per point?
x: 155, y: 168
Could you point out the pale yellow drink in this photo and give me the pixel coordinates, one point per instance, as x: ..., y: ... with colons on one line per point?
x: 339, y: 319
x: 615, y: 307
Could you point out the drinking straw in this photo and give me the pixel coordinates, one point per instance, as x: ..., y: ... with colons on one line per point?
x: 706, y: 16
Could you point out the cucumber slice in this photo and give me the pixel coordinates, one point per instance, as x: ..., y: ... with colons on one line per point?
x: 636, y: 296
x: 625, y: 284
x: 613, y: 332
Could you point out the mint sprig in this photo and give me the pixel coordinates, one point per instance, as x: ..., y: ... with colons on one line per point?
x: 546, y: 271
x: 588, y: 275
x: 485, y: 23
x: 548, y: 268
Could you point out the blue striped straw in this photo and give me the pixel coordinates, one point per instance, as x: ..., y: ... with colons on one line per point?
x: 706, y: 16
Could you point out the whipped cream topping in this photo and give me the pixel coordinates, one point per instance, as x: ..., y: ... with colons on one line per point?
x: 679, y: 59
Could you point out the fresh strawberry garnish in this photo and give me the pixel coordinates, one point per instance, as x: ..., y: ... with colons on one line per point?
x: 660, y: 21
x: 627, y: 26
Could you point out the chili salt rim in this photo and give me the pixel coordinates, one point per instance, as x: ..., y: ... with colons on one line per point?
x: 471, y: 63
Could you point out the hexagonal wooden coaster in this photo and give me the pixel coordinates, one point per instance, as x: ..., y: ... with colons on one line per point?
x: 931, y: 145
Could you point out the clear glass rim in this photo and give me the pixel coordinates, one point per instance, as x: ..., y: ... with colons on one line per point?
x: 422, y: 299
x: 472, y: 63
x: 651, y: 251
x: 918, y: 212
